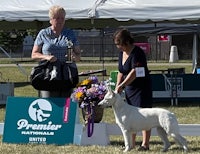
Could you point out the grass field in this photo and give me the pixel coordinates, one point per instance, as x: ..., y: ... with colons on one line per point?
x: 187, y: 113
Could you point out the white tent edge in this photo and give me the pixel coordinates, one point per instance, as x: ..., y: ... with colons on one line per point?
x: 121, y: 10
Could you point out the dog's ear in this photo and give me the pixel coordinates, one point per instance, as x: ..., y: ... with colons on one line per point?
x: 109, y: 90
x: 113, y: 93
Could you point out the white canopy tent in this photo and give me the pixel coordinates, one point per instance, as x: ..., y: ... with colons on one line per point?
x: 30, y: 10
x: 143, y: 10
x: 121, y: 10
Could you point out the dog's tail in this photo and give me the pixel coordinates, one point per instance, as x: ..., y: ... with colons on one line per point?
x: 180, y: 140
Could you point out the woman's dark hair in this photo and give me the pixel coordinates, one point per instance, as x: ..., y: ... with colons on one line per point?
x: 123, y: 37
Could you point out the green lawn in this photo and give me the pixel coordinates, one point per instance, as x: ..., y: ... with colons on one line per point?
x: 187, y: 113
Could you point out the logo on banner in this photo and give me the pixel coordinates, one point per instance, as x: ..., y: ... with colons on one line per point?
x: 144, y: 46
x: 176, y: 85
x: 40, y: 110
x: 163, y: 38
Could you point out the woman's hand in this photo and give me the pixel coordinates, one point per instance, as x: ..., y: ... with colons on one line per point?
x: 37, y: 55
x: 119, y: 88
x: 75, y: 57
x: 76, y: 54
x: 51, y: 58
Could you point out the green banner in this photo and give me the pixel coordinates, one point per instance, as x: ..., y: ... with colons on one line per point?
x: 37, y: 120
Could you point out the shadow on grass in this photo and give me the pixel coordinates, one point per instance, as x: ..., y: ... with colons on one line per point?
x: 190, y: 150
x: 2, y: 106
x: 121, y: 143
x: 153, y: 143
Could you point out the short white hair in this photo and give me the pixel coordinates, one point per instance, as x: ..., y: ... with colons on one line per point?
x: 56, y: 9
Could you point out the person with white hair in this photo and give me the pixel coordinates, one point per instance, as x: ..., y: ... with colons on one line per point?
x: 53, y: 42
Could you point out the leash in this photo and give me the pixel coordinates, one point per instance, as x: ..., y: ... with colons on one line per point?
x: 90, y: 124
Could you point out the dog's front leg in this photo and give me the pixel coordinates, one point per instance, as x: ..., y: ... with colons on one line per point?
x: 127, y: 140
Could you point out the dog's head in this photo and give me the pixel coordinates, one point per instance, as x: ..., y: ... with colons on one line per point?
x: 109, y: 98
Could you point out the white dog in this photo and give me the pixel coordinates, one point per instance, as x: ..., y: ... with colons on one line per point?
x: 132, y: 119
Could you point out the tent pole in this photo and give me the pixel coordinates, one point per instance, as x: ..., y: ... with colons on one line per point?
x: 155, y: 25
x: 194, y: 54
x: 102, y: 43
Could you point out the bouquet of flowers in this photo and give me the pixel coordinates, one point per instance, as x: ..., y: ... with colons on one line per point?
x: 89, y: 92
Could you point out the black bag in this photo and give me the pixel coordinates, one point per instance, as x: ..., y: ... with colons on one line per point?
x: 70, y: 74
x: 54, y: 76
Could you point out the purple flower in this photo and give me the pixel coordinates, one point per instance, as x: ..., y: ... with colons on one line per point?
x: 94, y: 79
x: 90, y: 93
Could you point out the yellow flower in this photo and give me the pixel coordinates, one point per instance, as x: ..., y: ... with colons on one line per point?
x: 86, y: 82
x: 79, y: 95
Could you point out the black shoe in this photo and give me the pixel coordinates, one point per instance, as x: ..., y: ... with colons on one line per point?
x: 122, y: 148
x: 142, y: 148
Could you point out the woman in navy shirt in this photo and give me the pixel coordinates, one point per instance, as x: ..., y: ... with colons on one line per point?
x: 133, y: 77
